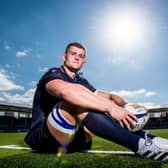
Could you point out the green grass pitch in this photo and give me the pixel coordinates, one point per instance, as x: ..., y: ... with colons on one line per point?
x: 14, y: 158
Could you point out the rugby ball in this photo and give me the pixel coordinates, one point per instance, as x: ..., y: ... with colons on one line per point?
x: 140, y: 112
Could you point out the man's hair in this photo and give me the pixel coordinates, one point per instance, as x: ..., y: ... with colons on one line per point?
x: 76, y: 44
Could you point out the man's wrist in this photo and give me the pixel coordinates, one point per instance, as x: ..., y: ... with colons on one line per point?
x: 111, y: 107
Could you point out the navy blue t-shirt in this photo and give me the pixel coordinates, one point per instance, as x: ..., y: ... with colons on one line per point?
x: 44, y: 102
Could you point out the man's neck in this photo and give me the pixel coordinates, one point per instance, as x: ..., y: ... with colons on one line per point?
x: 70, y: 72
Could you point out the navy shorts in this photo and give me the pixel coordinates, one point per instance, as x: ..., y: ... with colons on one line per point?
x: 40, y: 139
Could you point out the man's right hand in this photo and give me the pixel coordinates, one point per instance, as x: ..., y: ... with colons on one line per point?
x: 123, y: 116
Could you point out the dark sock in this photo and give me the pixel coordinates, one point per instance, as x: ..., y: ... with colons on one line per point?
x: 104, y: 126
x: 144, y: 133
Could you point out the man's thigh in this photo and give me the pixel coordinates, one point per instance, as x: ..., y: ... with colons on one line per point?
x: 40, y: 139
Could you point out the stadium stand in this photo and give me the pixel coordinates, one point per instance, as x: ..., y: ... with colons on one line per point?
x: 14, y: 117
x: 158, y: 118
x: 17, y: 118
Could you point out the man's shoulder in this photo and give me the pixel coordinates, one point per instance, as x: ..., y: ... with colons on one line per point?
x: 53, y: 69
x: 52, y: 73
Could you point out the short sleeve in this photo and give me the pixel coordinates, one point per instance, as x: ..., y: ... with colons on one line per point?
x: 88, y: 85
x: 52, y: 74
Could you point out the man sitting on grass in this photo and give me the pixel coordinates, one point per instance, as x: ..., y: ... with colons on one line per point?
x: 79, y: 110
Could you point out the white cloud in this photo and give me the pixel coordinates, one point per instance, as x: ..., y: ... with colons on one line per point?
x: 24, y: 99
x: 136, y: 93
x: 6, y: 83
x: 150, y: 105
x: 23, y: 53
x: 2, y: 99
x: 141, y: 96
x: 149, y: 94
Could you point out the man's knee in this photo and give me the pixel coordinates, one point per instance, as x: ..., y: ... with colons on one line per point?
x: 64, y: 120
x: 73, y: 111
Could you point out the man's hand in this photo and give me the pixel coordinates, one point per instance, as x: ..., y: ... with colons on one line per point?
x: 123, y: 116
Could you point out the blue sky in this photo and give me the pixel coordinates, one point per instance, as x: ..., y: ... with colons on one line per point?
x: 126, y: 42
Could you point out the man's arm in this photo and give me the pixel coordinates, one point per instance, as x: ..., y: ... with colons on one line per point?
x: 80, y: 96
x: 120, y: 101
x: 77, y: 95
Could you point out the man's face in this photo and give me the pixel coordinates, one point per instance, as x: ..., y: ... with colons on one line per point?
x: 74, y: 59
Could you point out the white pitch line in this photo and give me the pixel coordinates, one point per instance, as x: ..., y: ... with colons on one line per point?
x: 110, y: 152
x: 14, y: 147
